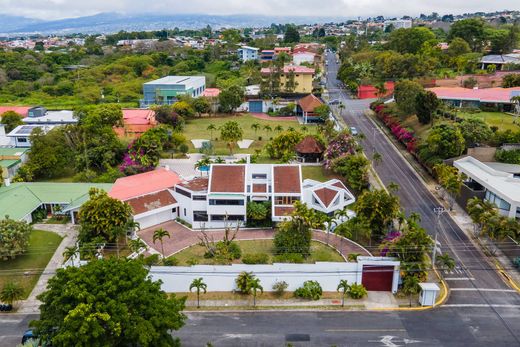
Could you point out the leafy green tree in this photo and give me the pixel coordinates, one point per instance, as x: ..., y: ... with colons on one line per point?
x: 470, y: 30
x: 503, y: 40
x: 136, y: 245
x: 355, y: 170
x: 258, y: 211
x: 231, y: 132
x: 406, y: 94
x: 511, y: 80
x: 291, y: 34
x: 293, y: 237
x: 311, y: 290
x: 378, y: 208
x: 165, y: 114
x: 160, y: 234
x: 445, y: 261
x: 254, y: 284
x: 475, y: 131
x: 444, y: 141
x: 343, y: 287
x: 108, y: 303
x: 231, y: 98
x: 322, y: 111
x: 283, y: 144
x: 458, y: 47
x: 14, y: 237
x: 11, y: 293
x: 290, y: 82
x: 70, y: 252
x: 426, y: 104
x: 411, y: 287
x: 243, y: 282
x: 409, y: 40
x: 11, y: 120
x: 199, y: 286
x: 450, y: 179
x: 101, y: 215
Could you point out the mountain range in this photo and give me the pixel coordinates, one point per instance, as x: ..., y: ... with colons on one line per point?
x: 114, y: 22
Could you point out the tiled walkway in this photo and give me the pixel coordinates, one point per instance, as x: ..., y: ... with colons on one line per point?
x: 182, y: 237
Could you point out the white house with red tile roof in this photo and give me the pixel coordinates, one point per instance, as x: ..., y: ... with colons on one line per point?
x: 327, y: 197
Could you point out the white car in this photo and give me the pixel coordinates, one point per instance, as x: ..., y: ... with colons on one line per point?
x: 353, y: 131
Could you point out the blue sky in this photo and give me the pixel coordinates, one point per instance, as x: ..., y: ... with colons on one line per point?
x: 56, y: 9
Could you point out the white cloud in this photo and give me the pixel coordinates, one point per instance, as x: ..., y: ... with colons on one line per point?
x: 54, y: 9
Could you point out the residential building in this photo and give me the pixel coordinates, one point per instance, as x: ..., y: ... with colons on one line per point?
x: 10, y: 161
x: 136, y: 122
x: 499, y: 187
x: 464, y: 97
x: 499, y: 60
x: 267, y: 55
x: 303, y: 77
x: 164, y: 91
x: 303, y: 57
x: 399, y: 23
x: 247, y: 53
x: 40, y: 115
x: 286, y: 50
x: 21, y: 110
x: 20, y: 136
x: 310, y: 150
x: 306, y: 107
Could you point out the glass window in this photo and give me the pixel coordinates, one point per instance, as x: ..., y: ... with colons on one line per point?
x: 286, y: 200
x: 222, y: 217
x: 200, y: 216
x: 199, y: 197
x: 260, y: 176
x: 182, y: 192
x: 220, y: 202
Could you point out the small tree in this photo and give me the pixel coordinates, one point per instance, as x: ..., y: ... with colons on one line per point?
x: 445, y: 261
x: 255, y: 127
x: 199, y: 285
x: 243, y: 282
x: 159, y: 234
x: 411, y: 286
x: 14, y: 237
x: 136, y: 245
x: 11, y: 120
x: 343, y: 287
x: 70, y: 252
x: 211, y: 128
x: 11, y: 293
x: 310, y: 290
x: 255, y: 286
x: 426, y: 104
x: 231, y: 132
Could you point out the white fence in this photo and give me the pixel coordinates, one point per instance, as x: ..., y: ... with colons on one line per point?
x: 222, y: 277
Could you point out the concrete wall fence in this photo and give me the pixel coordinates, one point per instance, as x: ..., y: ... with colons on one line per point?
x: 221, y: 278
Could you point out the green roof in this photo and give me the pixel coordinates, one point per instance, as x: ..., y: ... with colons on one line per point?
x: 9, y: 162
x: 20, y: 199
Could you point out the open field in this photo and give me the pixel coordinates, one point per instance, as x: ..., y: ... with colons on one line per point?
x: 319, y: 252
x: 501, y: 120
x: 26, y: 269
x: 197, y: 129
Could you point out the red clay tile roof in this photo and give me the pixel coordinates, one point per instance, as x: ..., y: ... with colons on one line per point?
x: 340, y: 185
x: 141, y: 184
x: 138, y: 116
x: 227, y: 179
x: 198, y: 184
x: 283, y: 211
x: 326, y: 195
x: 21, y: 110
x: 259, y: 188
x: 211, y: 92
x: 482, y: 95
x: 309, y: 145
x: 151, y: 202
x: 309, y: 103
x: 286, y: 179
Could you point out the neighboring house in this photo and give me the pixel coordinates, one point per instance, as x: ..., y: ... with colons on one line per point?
x: 499, y: 60
x: 306, y: 106
x: 303, y: 57
x: 164, y: 91
x: 21, y: 134
x: 267, y: 55
x: 310, y: 150
x: 247, y: 53
x: 40, y: 115
x: 136, y: 122
x: 20, y: 200
x: 327, y: 197
x: 303, y: 77
x: 463, y: 97
x: 150, y: 196
x: 21, y: 110
x: 399, y: 23
x: 499, y: 187
x: 212, y: 95
x: 10, y: 161
x: 278, y: 50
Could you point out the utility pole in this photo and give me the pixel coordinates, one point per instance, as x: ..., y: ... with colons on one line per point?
x: 438, y: 211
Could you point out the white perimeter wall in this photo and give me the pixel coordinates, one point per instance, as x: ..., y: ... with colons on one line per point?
x: 222, y: 277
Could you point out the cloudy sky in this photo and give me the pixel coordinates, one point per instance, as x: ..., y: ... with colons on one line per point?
x: 56, y: 9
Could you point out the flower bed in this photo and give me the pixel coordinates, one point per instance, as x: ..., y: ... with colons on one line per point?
x: 402, y: 134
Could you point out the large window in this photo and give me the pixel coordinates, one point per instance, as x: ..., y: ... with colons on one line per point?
x: 285, y: 200
x: 259, y: 176
x: 200, y: 216
x: 199, y: 197
x: 182, y: 192
x: 231, y: 217
x: 501, y: 203
x: 226, y: 202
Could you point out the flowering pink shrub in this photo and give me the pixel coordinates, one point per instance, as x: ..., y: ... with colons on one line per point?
x: 341, y: 145
x: 404, y: 135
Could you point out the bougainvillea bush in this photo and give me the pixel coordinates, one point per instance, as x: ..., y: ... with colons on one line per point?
x: 342, y: 144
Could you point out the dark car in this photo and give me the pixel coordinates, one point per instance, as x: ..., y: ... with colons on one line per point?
x: 29, y: 335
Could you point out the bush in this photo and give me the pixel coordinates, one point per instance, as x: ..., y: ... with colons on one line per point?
x: 294, y: 258
x: 171, y: 261
x: 152, y: 260
x: 357, y: 291
x: 310, y: 290
x: 243, y: 282
x: 280, y: 287
x: 255, y: 258
x: 293, y: 236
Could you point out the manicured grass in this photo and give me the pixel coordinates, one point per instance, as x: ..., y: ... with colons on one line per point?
x: 42, y: 245
x: 501, y: 120
x: 319, y: 252
x: 318, y: 173
x: 261, y: 296
x: 197, y: 129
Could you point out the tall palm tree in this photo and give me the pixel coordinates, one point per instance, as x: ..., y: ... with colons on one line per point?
x: 199, y: 285
x: 411, y: 286
x: 159, y: 234
x: 211, y: 128
x: 254, y: 284
x: 278, y: 128
x: 70, y: 252
x: 268, y: 129
x: 136, y: 245
x: 255, y: 127
x: 343, y: 287
x: 445, y: 261
x: 377, y: 158
x: 11, y: 293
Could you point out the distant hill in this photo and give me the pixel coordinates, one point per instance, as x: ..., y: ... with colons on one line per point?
x: 8, y: 23
x: 114, y: 22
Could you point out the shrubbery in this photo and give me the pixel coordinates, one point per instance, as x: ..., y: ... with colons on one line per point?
x: 294, y: 258
x: 280, y: 287
x: 357, y: 291
x: 310, y: 290
x: 255, y: 258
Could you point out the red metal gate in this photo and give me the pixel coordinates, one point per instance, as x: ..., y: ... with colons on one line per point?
x: 377, y: 278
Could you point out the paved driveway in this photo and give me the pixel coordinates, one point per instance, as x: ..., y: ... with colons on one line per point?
x: 182, y: 237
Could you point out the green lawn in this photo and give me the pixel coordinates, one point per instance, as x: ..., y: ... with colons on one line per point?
x: 501, y: 120
x: 318, y: 173
x: 42, y: 245
x: 197, y: 129
x: 319, y: 252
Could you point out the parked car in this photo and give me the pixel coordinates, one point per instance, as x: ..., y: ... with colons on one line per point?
x: 30, y: 336
x: 353, y: 131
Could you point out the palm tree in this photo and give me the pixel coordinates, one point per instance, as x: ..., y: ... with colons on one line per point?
x: 204, y: 162
x: 219, y: 160
x: 136, y: 245
x: 211, y: 128
x: 70, y: 252
x: 254, y: 284
x: 445, y: 261
x: 292, y: 129
x: 199, y: 285
x: 352, y: 257
x: 411, y: 286
x: 11, y: 293
x: 255, y: 127
x: 377, y: 158
x: 278, y: 128
x: 343, y: 287
x: 268, y: 129
x: 303, y: 129
x: 159, y: 234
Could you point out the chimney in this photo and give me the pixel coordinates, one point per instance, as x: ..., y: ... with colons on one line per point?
x: 7, y: 182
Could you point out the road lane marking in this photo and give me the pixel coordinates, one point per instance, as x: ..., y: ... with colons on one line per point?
x: 364, y: 330
x: 482, y: 290
x: 480, y: 305
x: 459, y: 279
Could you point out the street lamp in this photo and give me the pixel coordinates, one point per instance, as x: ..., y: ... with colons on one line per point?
x: 438, y: 211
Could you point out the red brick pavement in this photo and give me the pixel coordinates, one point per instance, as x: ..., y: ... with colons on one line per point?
x: 182, y: 237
